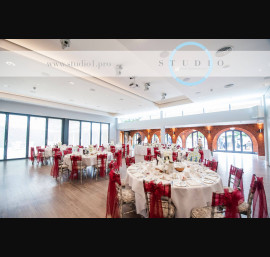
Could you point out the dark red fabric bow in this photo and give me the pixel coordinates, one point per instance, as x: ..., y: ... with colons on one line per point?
x: 55, y: 167
x: 112, y: 207
x: 32, y: 154
x: 231, y: 202
x: 74, y: 171
x: 103, y: 158
x: 40, y: 155
x: 259, y: 200
x: 156, y: 191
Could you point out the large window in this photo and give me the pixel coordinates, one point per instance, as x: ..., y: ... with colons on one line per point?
x: 85, y: 133
x: 168, y: 139
x: 17, y: 130
x: 179, y: 141
x: 234, y: 141
x: 104, y: 134
x: 136, y: 139
x: 155, y: 139
x: 74, y: 133
x: 2, y: 134
x: 54, y: 131
x: 193, y: 139
x: 37, y: 132
x: 95, y: 133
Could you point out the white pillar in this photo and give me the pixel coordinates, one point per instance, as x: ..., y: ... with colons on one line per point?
x: 266, y: 105
x: 162, y: 131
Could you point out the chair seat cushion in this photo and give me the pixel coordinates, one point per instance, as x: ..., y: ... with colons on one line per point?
x: 128, y: 195
x: 204, y: 212
x: 243, y: 207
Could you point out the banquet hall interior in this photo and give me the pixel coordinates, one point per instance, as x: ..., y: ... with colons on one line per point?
x: 134, y: 128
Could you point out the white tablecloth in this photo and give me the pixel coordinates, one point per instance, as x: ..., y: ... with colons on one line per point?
x: 87, y: 160
x: 184, y: 198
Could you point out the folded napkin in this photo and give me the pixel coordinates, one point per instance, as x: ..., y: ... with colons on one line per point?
x: 210, y: 178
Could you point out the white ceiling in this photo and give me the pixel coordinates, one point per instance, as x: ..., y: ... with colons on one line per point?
x: 108, y: 91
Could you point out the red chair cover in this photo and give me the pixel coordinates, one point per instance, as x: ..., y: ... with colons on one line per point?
x: 148, y: 151
x: 55, y: 167
x: 129, y: 160
x: 214, y: 165
x: 32, y: 154
x: 157, y: 153
x: 202, y: 155
x: 178, y: 146
x: 112, y: 165
x: 102, y: 167
x: 156, y: 149
x: 259, y: 200
x: 40, y: 155
x: 112, y: 209
x: 56, y: 149
x: 148, y: 157
x: 74, y: 170
x: 65, y: 152
x: 191, y: 149
x: 230, y: 200
x: 175, y: 155
x: 118, y: 155
x: 127, y: 149
x: 238, y: 176
x: 156, y: 192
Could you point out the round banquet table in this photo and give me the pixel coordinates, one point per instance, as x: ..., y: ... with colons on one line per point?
x: 195, y: 191
x: 87, y: 160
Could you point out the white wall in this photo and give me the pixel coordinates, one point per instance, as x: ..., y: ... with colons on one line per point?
x: 23, y: 108
x: 267, y: 125
x: 249, y: 115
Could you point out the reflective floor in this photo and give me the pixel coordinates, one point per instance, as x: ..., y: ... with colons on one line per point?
x: 29, y: 191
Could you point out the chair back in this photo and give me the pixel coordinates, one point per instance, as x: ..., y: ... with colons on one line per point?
x: 102, y: 163
x: 32, y: 154
x: 76, y: 163
x: 129, y: 160
x: 148, y: 151
x: 158, y: 199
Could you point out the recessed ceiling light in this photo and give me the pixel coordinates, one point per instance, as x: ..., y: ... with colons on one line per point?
x: 5, y: 85
x: 197, y: 93
x: 121, y: 99
x: 34, y: 88
x: 226, y: 66
x: 186, y: 79
x: 229, y: 85
x: 92, y: 89
x: 10, y: 63
x: 139, y: 105
x: 97, y: 106
x: 71, y: 82
x: 71, y: 100
x: 211, y: 90
x: 224, y: 51
x: 45, y: 74
x: 164, y: 54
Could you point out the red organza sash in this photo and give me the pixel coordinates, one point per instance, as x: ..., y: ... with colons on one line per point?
x: 238, y: 176
x: 178, y: 146
x: 202, y: 155
x: 127, y: 149
x: 157, y: 153
x: 191, y: 149
x: 156, y: 192
x: 259, y: 200
x: 148, y: 151
x: 230, y: 200
x: 55, y: 167
x: 155, y: 149
x: 214, y: 165
x: 129, y: 160
x: 74, y: 170
x: 118, y: 155
x: 112, y: 165
x: 65, y: 152
x: 32, y: 154
x: 148, y: 157
x: 102, y: 168
x: 112, y: 209
x: 175, y: 154
x: 40, y: 155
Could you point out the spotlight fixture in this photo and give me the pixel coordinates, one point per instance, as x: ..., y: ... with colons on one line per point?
x: 260, y: 130
x: 174, y: 132
x: 229, y: 86
x: 133, y: 84
x: 118, y: 69
x: 224, y: 51
x: 163, y: 95
x: 65, y: 43
x: 146, y: 86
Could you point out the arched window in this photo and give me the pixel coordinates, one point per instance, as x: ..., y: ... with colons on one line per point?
x: 145, y: 140
x: 168, y: 139
x: 155, y: 139
x: 179, y: 141
x: 234, y: 141
x: 136, y: 139
x: 193, y: 138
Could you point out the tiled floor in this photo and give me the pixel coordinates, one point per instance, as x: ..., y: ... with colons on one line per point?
x: 30, y: 191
